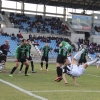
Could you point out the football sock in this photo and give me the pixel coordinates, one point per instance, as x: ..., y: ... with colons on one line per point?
x: 58, y: 71
x: 41, y: 64
x: 61, y: 72
x: 91, y: 62
x: 26, y: 69
x: 14, y: 68
x: 32, y: 65
x: 21, y: 66
x: 97, y: 65
x: 46, y: 65
x: 78, y: 55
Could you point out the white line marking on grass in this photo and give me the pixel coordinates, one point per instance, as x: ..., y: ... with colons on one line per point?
x: 67, y: 91
x: 22, y: 90
x: 92, y: 75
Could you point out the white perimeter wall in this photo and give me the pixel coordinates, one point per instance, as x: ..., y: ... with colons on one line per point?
x: 75, y: 37
x: 96, y: 38
x: 11, y: 30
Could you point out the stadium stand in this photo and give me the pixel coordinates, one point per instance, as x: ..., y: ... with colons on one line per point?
x: 38, y: 24
x: 53, y: 43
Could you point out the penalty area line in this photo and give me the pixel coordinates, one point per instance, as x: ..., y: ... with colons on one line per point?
x: 22, y: 90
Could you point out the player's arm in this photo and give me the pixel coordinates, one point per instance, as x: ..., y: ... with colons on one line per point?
x: 74, y: 80
x: 51, y: 53
x: 17, y: 53
x: 60, y: 45
x: 64, y: 78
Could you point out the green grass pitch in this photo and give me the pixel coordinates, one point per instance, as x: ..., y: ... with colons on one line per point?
x: 42, y: 84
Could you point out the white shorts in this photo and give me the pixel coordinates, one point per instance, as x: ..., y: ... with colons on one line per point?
x: 77, y: 70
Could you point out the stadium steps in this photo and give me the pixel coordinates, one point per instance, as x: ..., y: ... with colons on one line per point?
x: 69, y: 26
x: 34, y: 51
x: 7, y: 22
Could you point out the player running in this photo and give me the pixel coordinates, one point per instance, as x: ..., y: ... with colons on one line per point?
x: 28, y: 46
x: 73, y: 70
x: 65, y: 49
x: 21, y: 55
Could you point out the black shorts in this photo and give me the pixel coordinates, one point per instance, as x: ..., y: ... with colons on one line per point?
x: 66, y: 70
x: 61, y: 59
x: 3, y: 57
x: 82, y: 61
x: 44, y: 58
x: 22, y: 60
x: 30, y: 58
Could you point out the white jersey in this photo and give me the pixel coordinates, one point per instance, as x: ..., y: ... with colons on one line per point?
x: 75, y: 70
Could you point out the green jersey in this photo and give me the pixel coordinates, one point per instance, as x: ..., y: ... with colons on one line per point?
x: 21, y: 52
x: 28, y: 46
x: 45, y: 51
x: 83, y: 56
x: 65, y: 48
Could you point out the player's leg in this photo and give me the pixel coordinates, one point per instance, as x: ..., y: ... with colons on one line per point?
x: 4, y: 58
x: 98, y: 64
x: 26, y: 68
x: 14, y: 68
x: 2, y: 61
x: 21, y: 68
x: 46, y: 59
x: 32, y: 64
x: 42, y: 59
x: 60, y: 61
x: 59, y: 71
x: 77, y: 56
x: 90, y: 63
x: 64, y: 75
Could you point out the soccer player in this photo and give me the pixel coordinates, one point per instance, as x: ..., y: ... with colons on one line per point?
x: 30, y: 57
x: 65, y: 49
x: 5, y: 49
x: 21, y: 55
x: 83, y: 57
x: 2, y: 60
x: 73, y: 69
x: 44, y: 54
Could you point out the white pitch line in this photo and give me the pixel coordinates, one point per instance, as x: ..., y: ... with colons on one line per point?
x: 22, y: 90
x: 90, y: 91
x: 92, y: 75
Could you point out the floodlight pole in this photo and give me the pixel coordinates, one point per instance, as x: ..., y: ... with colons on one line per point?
x: 64, y: 13
x: 44, y: 10
x: 22, y: 7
